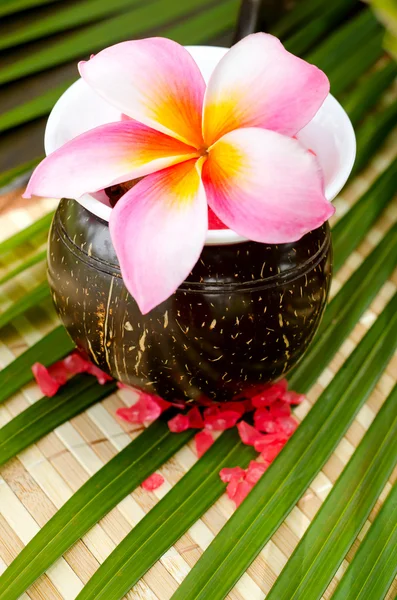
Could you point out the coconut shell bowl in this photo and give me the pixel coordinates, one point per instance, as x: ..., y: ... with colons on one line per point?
x: 244, y: 316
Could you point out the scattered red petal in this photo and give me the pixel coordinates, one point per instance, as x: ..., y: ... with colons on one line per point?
x: 241, y: 406
x: 243, y: 489
x: 280, y: 409
x: 146, y: 409
x: 271, y: 451
x: 163, y: 404
x: 229, y: 473
x: 195, y: 419
x: 248, y: 434
x: 179, y: 423
x: 204, y: 441
x: 101, y: 376
x: 270, y: 394
x: 214, y: 409
x: 231, y: 488
x: 255, y: 471
x: 75, y: 363
x: 47, y: 384
x: 59, y: 372
x: 269, y: 440
x: 293, y: 397
x: 153, y: 482
x: 287, y: 424
x: 224, y: 420
x: 264, y: 421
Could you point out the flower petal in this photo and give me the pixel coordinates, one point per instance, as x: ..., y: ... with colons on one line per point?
x: 105, y: 156
x: 158, y: 230
x: 265, y: 186
x: 259, y: 84
x: 155, y: 81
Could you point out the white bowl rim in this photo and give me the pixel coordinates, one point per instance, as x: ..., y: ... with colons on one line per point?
x: 214, y: 236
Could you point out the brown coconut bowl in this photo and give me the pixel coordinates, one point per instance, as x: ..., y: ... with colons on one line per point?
x: 245, y: 315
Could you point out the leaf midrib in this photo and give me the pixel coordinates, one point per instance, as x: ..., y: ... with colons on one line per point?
x: 254, y: 522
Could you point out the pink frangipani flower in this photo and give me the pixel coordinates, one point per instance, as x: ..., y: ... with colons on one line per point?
x: 229, y: 145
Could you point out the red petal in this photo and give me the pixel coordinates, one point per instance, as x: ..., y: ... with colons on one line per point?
x: 195, y: 418
x: 59, y: 372
x: 224, y: 420
x: 241, y: 406
x: 47, y: 384
x: 287, y: 424
x: 101, y: 376
x: 214, y: 409
x: 131, y: 414
x: 162, y: 404
x: 269, y: 440
x: 231, y: 488
x: 293, y: 397
x: 179, y: 423
x: 204, y: 440
x: 146, y: 409
x: 270, y: 394
x: 229, y: 473
x: 271, y: 451
x: 248, y: 434
x: 243, y: 489
x: 255, y: 471
x: 264, y: 421
x: 280, y: 409
x: 153, y: 482
x: 75, y: 363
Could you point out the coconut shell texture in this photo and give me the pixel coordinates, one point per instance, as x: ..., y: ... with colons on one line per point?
x: 244, y: 316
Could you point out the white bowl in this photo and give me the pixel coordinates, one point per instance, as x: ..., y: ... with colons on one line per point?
x: 329, y: 134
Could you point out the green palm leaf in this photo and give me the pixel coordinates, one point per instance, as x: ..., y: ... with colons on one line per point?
x: 374, y: 566
x: 9, y: 177
x: 46, y: 414
x: 90, y: 503
x: 363, y: 215
x: 54, y: 346
x: 344, y: 42
x: 63, y: 19
x: 372, y: 133
x: 95, y: 37
x: 331, y: 15
x: 386, y: 10
x: 39, y: 294
x: 298, y: 17
x: 345, y: 510
x: 167, y: 521
x: 7, y: 7
x: 368, y: 92
x: 38, y: 229
x: 26, y: 264
x: 254, y: 522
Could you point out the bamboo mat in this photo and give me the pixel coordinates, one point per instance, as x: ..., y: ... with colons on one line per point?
x: 38, y: 482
